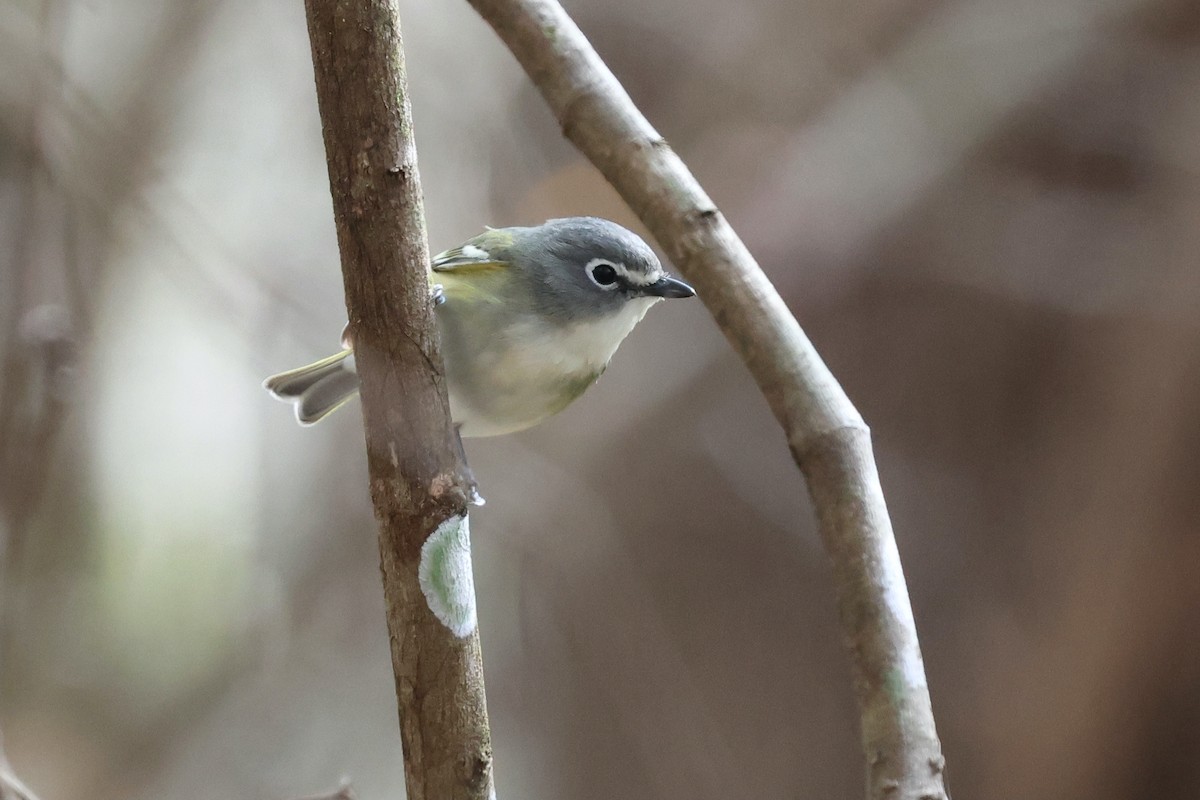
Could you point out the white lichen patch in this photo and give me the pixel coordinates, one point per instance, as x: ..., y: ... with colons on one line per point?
x: 446, y: 578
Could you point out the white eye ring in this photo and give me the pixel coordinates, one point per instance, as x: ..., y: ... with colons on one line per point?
x: 612, y: 274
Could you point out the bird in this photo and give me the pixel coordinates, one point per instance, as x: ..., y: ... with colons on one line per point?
x: 529, y: 318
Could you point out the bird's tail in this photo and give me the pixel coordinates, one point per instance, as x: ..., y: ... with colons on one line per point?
x: 318, y: 389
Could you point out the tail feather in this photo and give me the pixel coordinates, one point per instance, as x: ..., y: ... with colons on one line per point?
x: 317, y: 389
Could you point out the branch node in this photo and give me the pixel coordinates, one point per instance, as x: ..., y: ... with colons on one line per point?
x: 808, y: 444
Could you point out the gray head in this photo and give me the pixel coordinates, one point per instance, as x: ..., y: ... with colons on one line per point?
x: 589, y: 267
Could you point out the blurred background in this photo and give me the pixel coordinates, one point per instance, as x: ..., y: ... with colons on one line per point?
x: 987, y: 216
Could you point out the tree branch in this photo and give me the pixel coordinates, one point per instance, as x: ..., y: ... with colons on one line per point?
x: 828, y: 438
x: 418, y: 484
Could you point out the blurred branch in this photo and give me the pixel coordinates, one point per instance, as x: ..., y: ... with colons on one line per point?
x: 38, y: 344
x: 37, y: 352
x: 418, y: 483
x: 828, y: 438
x: 40, y: 341
x: 11, y: 787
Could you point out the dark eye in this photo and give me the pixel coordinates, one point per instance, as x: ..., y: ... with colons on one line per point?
x: 603, y: 274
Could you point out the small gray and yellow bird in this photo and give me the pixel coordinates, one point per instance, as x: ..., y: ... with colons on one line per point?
x: 529, y: 318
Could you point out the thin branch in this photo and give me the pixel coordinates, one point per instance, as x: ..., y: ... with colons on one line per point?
x: 828, y: 438
x: 417, y: 482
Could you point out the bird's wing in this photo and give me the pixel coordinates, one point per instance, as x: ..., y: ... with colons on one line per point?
x: 488, y: 250
x: 473, y: 272
x: 476, y: 270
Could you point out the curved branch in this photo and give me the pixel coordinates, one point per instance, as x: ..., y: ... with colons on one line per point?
x: 418, y: 483
x: 828, y: 438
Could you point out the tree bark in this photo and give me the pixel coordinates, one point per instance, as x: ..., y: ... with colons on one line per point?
x: 417, y: 482
x: 827, y: 437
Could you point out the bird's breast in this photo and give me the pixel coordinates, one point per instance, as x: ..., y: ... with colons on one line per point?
x: 528, y: 369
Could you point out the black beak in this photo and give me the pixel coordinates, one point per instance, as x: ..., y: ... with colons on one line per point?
x: 667, y: 287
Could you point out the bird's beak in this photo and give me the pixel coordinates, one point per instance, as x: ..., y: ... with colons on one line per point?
x: 668, y: 287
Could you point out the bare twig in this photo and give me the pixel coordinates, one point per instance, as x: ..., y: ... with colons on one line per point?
x: 828, y: 438
x: 417, y: 481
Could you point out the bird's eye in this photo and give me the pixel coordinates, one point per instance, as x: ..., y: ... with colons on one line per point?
x: 603, y: 274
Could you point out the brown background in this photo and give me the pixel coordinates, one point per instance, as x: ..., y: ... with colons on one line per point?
x: 985, y: 214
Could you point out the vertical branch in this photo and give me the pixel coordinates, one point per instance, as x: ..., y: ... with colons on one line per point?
x: 417, y: 481
x: 828, y: 438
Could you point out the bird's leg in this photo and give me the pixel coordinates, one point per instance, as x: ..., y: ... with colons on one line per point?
x: 473, y: 496
x: 438, y: 294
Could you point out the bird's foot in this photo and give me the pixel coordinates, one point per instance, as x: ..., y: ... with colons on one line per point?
x: 475, y: 498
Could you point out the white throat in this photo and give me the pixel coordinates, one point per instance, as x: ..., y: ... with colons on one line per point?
x: 583, y: 347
